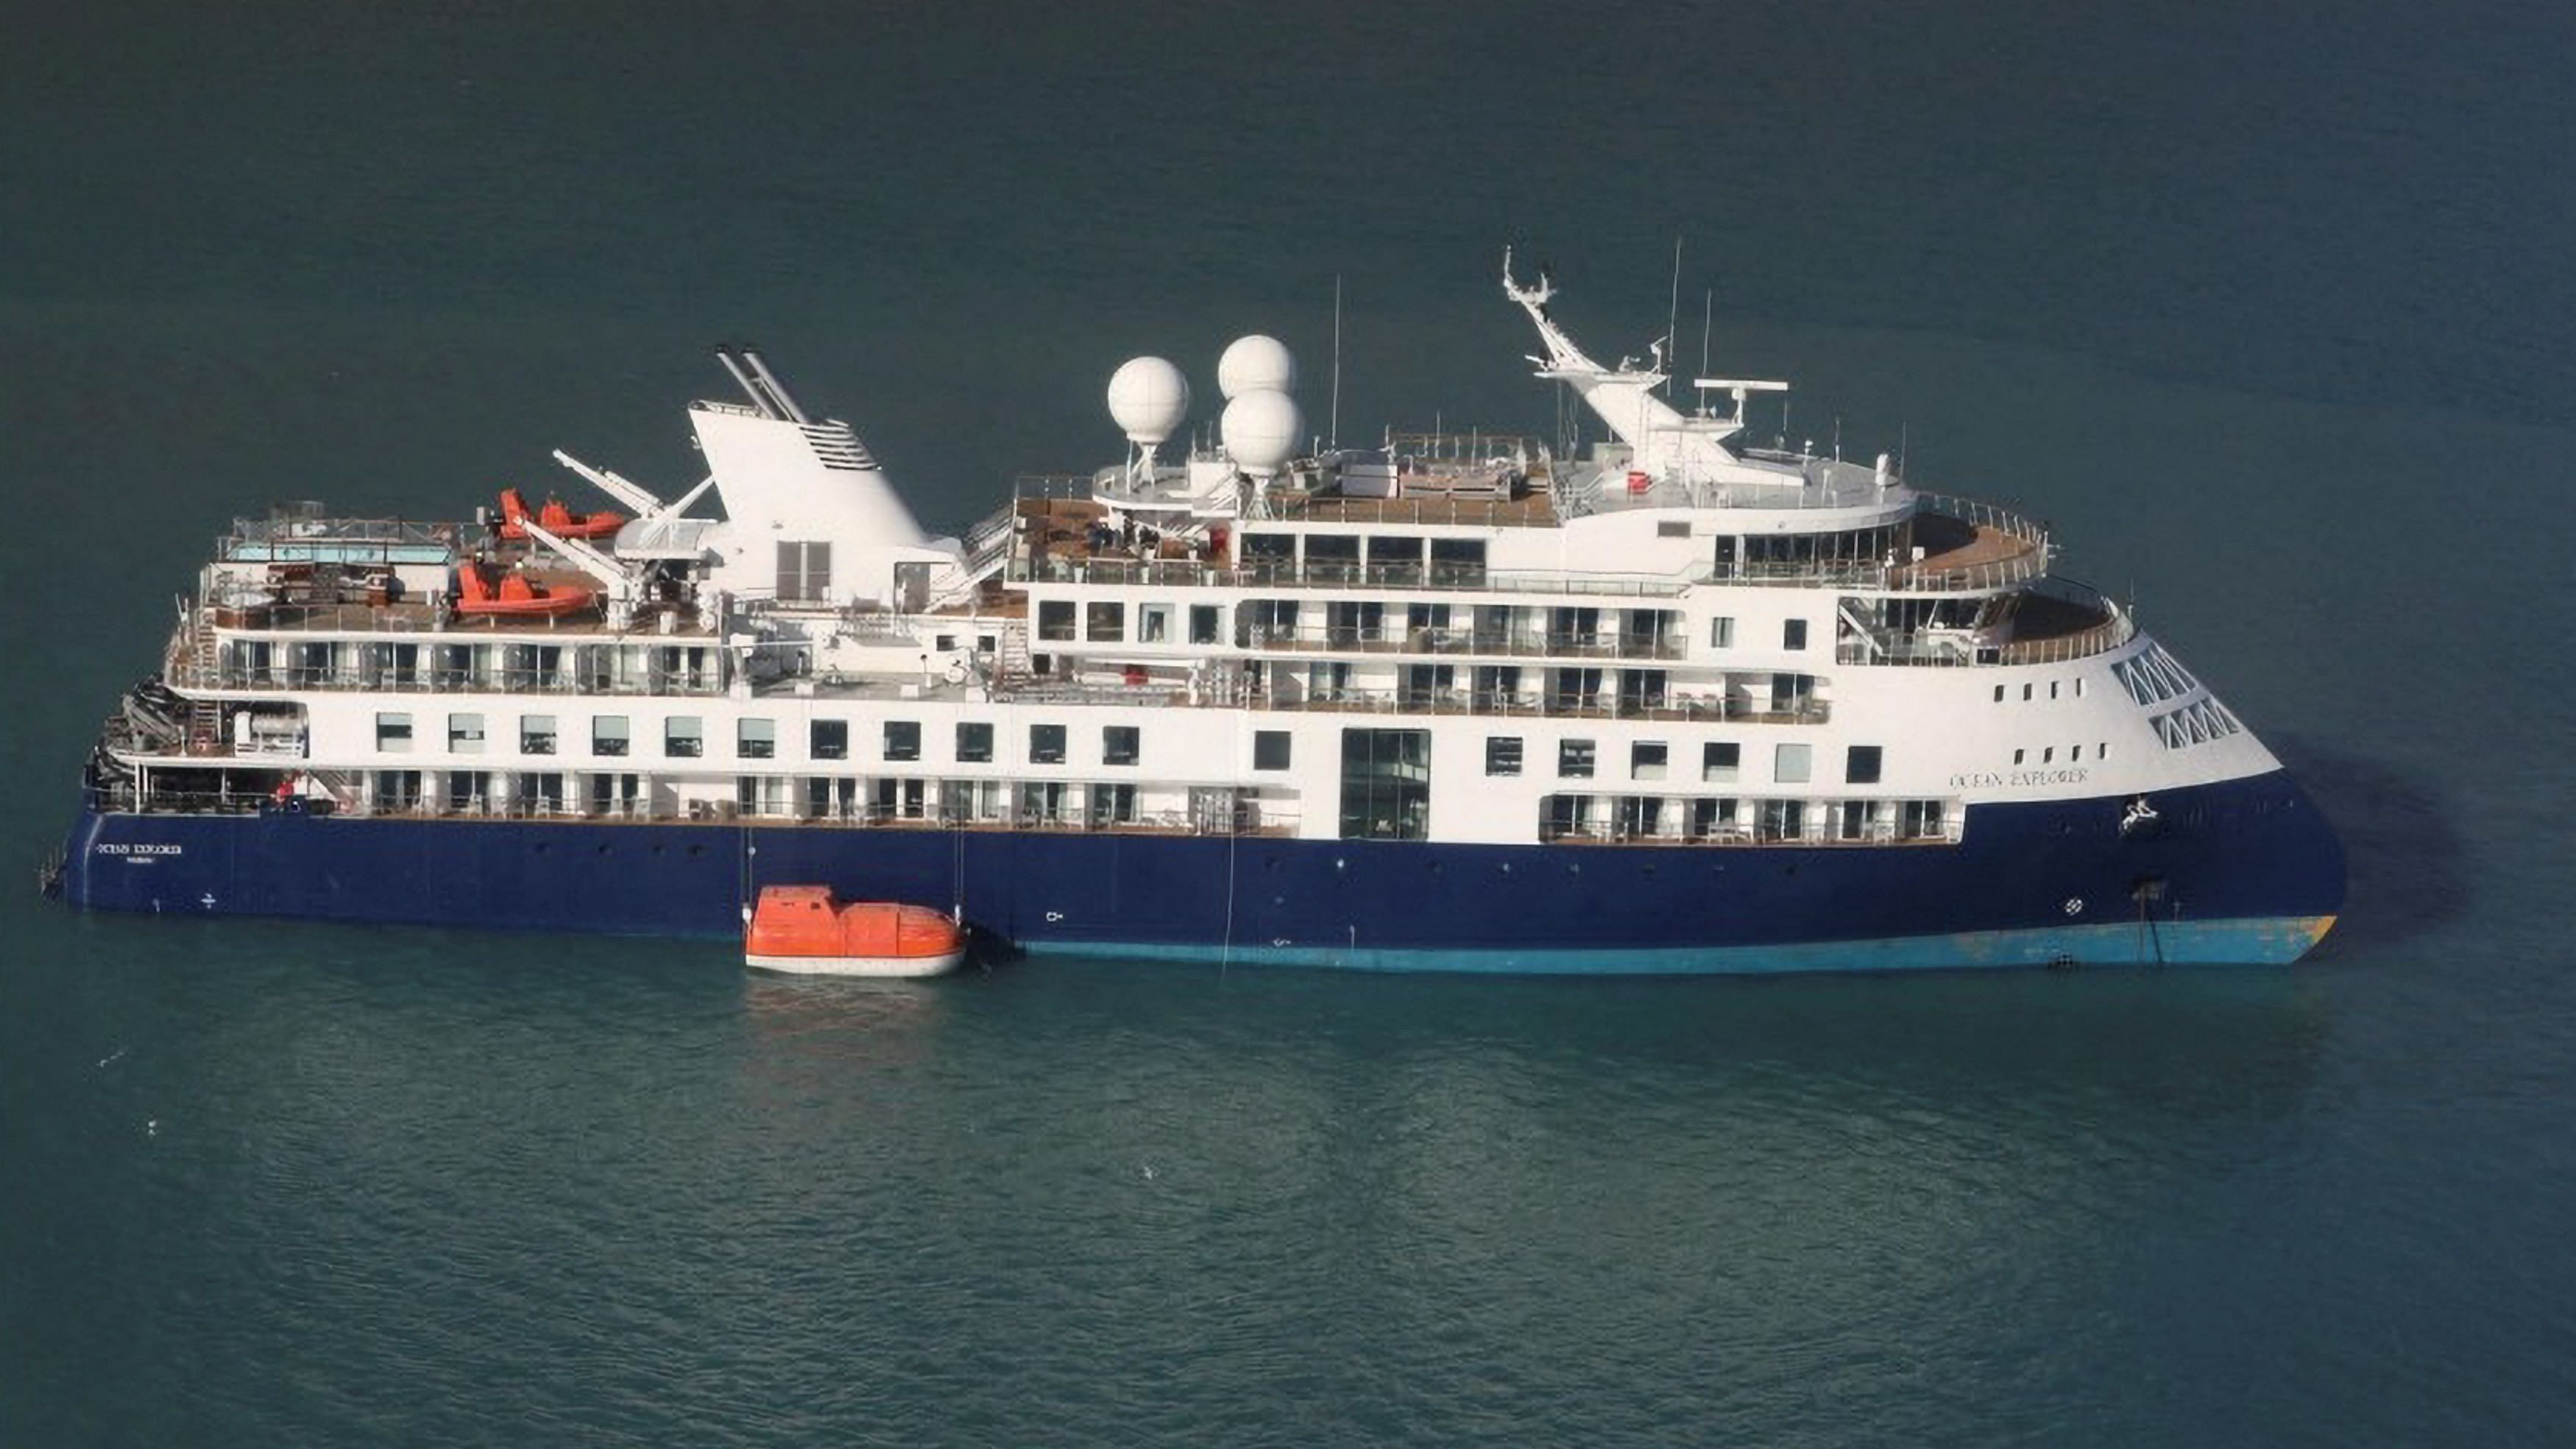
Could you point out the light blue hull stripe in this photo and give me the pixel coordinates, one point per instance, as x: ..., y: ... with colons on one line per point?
x: 2273, y: 940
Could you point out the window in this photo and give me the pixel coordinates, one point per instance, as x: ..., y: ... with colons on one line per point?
x: 1719, y: 761
x: 1861, y: 767
x: 465, y: 734
x: 1154, y: 624
x: 1793, y: 634
x: 1672, y: 528
x: 828, y: 739
x: 536, y: 734
x: 1386, y: 784
x: 1922, y: 820
x: 1790, y: 764
x: 756, y: 739
x: 1784, y: 819
x: 974, y: 742
x: 393, y: 733
x: 1859, y: 820
x: 1721, y: 633
x: 2017, y: 756
x: 684, y: 737
x: 1270, y: 749
x: 1503, y: 754
x: 1105, y: 623
x: 902, y: 739
x: 1055, y: 619
x: 1646, y: 760
x: 1119, y: 745
x: 1046, y: 744
x: 804, y: 572
x: 2025, y: 694
x: 608, y: 734
x: 1574, y: 759
x: 1204, y: 621
x: 1999, y: 694
x: 2052, y: 689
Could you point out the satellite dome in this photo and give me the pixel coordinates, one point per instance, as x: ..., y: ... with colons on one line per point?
x: 1148, y: 397
x: 1261, y: 430
x: 1256, y: 364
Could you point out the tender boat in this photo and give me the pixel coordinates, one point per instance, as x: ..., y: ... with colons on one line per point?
x: 514, y: 595
x: 803, y: 928
x: 555, y: 518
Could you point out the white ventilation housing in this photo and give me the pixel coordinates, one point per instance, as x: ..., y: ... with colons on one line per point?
x: 1256, y: 364
x: 1149, y: 397
x: 1261, y: 430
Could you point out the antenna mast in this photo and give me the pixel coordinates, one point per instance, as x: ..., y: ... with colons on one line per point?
x: 1672, y: 314
x: 1337, y: 360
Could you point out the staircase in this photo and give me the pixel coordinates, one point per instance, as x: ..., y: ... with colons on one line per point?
x: 205, y: 716
x: 1013, y: 667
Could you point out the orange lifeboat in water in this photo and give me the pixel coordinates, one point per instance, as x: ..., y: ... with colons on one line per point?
x: 514, y: 595
x: 555, y: 518
x: 803, y: 928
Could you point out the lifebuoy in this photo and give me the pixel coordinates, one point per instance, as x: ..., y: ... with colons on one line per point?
x: 957, y: 671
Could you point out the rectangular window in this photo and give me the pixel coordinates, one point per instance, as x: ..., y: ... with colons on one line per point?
x: 393, y: 733
x: 1204, y: 621
x: 756, y: 739
x: 1046, y: 744
x: 1672, y: 528
x: 828, y: 739
x: 1859, y: 819
x: 1154, y: 624
x: 1646, y: 760
x: 804, y: 572
x: 608, y: 734
x: 1721, y: 633
x: 1574, y: 759
x: 684, y: 737
x: 1784, y: 819
x: 1793, y: 634
x: 902, y: 739
x: 1861, y: 768
x: 1923, y: 820
x: 1719, y: 761
x: 465, y: 734
x: 1055, y: 620
x: 1270, y: 749
x: 1790, y: 765
x: 536, y: 734
x: 1386, y: 784
x: 1105, y: 623
x: 1502, y: 754
x: 974, y: 742
x: 1119, y: 744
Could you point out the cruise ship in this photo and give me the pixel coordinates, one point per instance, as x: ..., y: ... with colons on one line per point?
x: 1663, y: 701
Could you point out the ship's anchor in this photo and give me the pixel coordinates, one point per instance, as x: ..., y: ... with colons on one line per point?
x: 2139, y: 813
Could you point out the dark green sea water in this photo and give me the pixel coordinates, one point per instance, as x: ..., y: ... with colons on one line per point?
x: 2267, y: 310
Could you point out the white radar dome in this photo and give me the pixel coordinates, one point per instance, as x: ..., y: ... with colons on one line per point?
x: 1261, y: 430
x: 1148, y: 397
x: 1256, y: 364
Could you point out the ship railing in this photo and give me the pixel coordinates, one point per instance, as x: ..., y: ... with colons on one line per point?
x: 1400, y: 639
x: 291, y: 679
x: 1820, y: 827
x: 1676, y: 706
x: 1450, y: 578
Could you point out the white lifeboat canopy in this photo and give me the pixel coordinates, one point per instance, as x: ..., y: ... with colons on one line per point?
x: 1261, y: 430
x: 1148, y: 397
x: 1258, y: 363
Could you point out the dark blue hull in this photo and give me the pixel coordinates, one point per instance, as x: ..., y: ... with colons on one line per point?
x: 2245, y: 871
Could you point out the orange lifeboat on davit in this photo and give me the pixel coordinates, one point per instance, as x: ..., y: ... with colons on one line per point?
x: 514, y: 595
x: 555, y: 518
x: 803, y: 928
